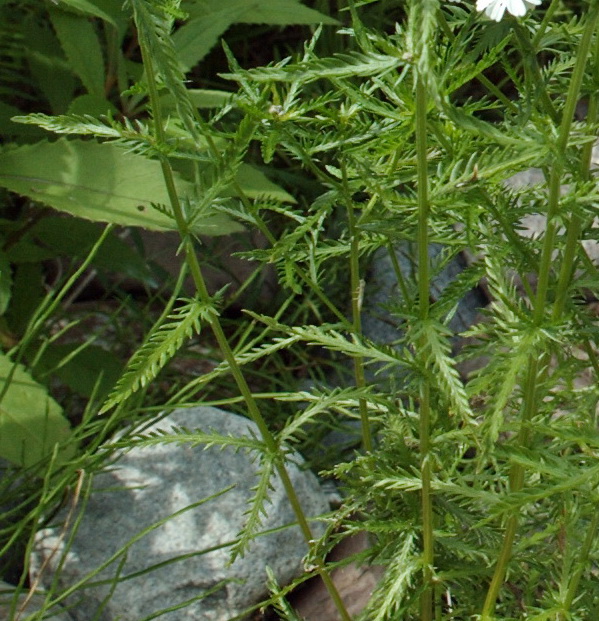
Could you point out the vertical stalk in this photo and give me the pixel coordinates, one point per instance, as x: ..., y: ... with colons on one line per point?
x: 565, y: 274
x: 357, y: 286
x: 426, y: 600
x: 213, y: 321
x: 538, y: 368
x: 582, y: 564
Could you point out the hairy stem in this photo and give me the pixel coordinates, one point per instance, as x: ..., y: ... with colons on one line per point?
x: 538, y: 368
x: 215, y: 325
x: 357, y: 286
x: 426, y: 601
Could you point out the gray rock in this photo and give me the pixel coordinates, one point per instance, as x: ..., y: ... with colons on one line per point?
x: 534, y: 225
x: 379, y: 324
x: 149, y: 484
x: 9, y: 610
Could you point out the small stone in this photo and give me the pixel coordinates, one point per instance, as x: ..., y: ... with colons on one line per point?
x: 148, y: 484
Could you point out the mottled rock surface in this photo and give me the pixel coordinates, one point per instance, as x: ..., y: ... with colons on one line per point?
x: 25, y: 605
x: 149, y: 484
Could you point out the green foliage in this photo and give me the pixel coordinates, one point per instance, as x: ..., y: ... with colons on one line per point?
x: 100, y: 182
x: 82, y: 49
x: 479, y: 489
x: 161, y: 344
x: 32, y: 425
x: 209, y: 20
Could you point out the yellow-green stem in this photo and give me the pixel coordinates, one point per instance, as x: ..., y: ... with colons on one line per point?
x: 356, y: 305
x: 426, y: 600
x: 200, y: 285
x: 538, y: 361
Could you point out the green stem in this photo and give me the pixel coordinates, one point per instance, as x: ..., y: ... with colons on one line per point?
x: 516, y: 484
x: 538, y: 368
x: 572, y: 240
x: 47, y: 307
x: 532, y: 69
x: 582, y: 564
x: 558, y: 166
x: 553, y: 7
x: 357, y: 286
x: 200, y: 285
x: 426, y: 600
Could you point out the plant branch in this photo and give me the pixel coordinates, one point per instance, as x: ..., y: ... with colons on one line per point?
x: 199, y: 282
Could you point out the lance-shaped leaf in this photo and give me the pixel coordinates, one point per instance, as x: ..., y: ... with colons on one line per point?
x: 211, y: 18
x: 31, y: 422
x: 99, y: 182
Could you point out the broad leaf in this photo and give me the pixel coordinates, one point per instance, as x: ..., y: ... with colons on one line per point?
x: 31, y: 422
x: 281, y: 12
x: 81, y: 46
x: 74, y: 237
x: 255, y: 184
x: 5, y: 282
x: 200, y: 98
x: 88, y: 8
x: 99, y: 182
x: 48, y: 67
x: 211, y: 18
x: 88, y: 371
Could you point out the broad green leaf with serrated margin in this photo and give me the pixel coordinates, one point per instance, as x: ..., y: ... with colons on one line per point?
x: 81, y: 46
x: 88, y: 8
x: 5, y: 282
x: 99, y: 182
x: 31, y: 422
x: 256, y: 185
x: 200, y: 98
x: 280, y: 12
x: 210, y: 19
x: 52, y: 74
x: 93, y: 105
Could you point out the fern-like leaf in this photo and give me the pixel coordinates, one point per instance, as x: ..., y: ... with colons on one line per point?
x: 193, y: 437
x: 158, y: 349
x: 338, y: 66
x: 257, y: 508
x: 154, y: 22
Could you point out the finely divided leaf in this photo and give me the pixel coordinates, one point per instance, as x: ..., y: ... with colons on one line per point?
x: 257, y: 508
x: 160, y: 347
x: 338, y: 66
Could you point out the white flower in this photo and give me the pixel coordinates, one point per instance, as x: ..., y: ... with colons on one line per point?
x: 496, y: 8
